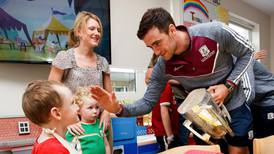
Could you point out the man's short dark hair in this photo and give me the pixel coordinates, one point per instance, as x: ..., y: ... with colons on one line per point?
x: 156, y: 17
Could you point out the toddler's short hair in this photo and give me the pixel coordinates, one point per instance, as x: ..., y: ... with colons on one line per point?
x: 39, y: 98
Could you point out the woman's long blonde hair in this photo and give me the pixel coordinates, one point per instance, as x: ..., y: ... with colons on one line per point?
x: 80, y: 23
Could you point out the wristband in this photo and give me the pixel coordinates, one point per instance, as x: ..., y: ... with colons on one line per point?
x: 230, y: 85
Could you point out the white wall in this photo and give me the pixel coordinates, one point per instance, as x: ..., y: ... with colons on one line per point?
x: 13, y: 80
x: 127, y: 49
x: 242, y: 9
x: 127, y: 52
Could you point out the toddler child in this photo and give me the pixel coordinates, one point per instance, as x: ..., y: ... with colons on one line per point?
x: 94, y: 139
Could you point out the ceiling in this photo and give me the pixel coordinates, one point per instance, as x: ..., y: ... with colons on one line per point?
x: 266, y: 6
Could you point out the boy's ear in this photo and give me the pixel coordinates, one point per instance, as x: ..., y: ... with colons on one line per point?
x: 55, y: 113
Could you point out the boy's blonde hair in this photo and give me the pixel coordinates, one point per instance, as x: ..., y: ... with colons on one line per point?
x: 80, y: 23
x: 39, y: 98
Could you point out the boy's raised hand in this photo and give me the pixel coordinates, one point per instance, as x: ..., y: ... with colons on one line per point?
x: 105, y: 99
x: 260, y: 54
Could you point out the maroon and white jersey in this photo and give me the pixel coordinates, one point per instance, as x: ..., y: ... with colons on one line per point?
x: 208, y: 62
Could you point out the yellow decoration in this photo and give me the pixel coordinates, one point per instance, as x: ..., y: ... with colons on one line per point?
x: 222, y: 14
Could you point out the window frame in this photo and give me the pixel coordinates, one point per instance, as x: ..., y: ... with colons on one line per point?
x: 23, y: 127
x: 253, y: 27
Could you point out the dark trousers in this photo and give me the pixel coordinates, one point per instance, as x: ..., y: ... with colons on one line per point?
x: 263, y: 121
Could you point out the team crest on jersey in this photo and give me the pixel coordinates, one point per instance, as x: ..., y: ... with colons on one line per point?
x: 204, y: 51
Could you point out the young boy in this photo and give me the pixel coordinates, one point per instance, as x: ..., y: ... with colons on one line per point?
x: 94, y: 139
x: 50, y: 105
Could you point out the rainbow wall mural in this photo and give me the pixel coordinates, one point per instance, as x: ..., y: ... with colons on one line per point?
x: 196, y: 5
x: 199, y: 11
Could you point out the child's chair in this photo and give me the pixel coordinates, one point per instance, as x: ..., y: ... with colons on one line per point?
x: 263, y: 145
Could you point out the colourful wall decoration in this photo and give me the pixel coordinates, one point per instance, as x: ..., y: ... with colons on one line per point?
x: 199, y: 11
x: 34, y: 31
x: 196, y: 5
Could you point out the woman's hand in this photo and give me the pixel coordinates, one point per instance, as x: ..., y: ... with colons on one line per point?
x: 105, y: 99
x: 105, y: 120
x: 76, y: 129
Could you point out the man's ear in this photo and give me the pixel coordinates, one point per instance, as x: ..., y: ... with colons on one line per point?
x: 172, y: 30
x: 55, y: 113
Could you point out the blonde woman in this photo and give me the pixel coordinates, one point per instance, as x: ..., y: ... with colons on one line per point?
x: 80, y: 65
